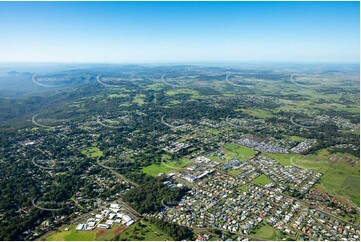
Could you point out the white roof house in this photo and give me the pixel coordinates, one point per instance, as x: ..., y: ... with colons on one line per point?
x: 114, y: 206
x: 80, y: 227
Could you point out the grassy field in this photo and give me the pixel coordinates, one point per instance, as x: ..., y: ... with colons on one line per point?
x: 111, y: 96
x: 166, y: 167
x: 143, y: 230
x: 213, y: 131
x: 97, y: 234
x: 92, y: 152
x: 265, y: 232
x: 340, y: 177
x: 139, y: 99
x: 191, y: 92
x: 243, y: 188
x: 258, y: 113
x: 262, y: 180
x: 238, y: 151
x: 234, y: 172
x: 294, y: 138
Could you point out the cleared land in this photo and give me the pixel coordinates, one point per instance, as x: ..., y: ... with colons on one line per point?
x: 92, y: 152
x: 238, y: 151
x: 341, y: 173
x: 259, y: 113
x: 97, y: 234
x: 166, y: 167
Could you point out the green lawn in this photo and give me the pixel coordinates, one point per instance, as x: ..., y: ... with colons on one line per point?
x: 139, y: 99
x: 238, y: 151
x: 243, y: 188
x: 191, y: 92
x: 259, y: 113
x: 111, y: 96
x: 230, y: 146
x: 213, y: 131
x: 92, y: 152
x: 234, y: 172
x: 262, y: 180
x: 265, y: 232
x: 96, y: 234
x: 166, y: 167
x: 143, y: 230
x: 295, y: 138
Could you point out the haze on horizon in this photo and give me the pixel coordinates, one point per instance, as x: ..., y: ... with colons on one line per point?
x: 127, y: 32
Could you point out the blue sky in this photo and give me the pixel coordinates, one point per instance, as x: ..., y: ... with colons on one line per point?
x: 129, y: 32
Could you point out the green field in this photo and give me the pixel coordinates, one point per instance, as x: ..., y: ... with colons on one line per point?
x: 295, y: 138
x: 265, y: 232
x: 239, y: 152
x: 139, y: 99
x: 191, y: 92
x: 262, y: 180
x: 213, y: 131
x: 166, y: 167
x: 143, y: 230
x: 243, y: 188
x: 92, y: 152
x: 96, y: 234
x: 258, y: 113
x: 234, y: 172
x: 111, y: 96
x: 340, y: 178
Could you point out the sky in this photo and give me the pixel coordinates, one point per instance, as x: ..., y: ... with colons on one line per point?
x: 147, y: 32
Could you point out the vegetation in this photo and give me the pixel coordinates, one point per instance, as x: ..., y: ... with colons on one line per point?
x: 92, y: 152
x: 174, y: 230
x: 262, y: 180
x: 60, y: 161
x: 151, y: 195
x: 338, y: 174
x: 69, y: 233
x: 143, y: 230
x: 165, y: 167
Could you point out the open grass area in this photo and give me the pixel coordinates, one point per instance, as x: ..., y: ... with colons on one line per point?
x: 213, y: 131
x: 139, y: 99
x: 230, y: 146
x: 243, y: 188
x: 259, y: 113
x: 96, y: 234
x: 92, y: 152
x: 191, y: 92
x: 265, y: 232
x: 166, y: 167
x: 238, y: 151
x: 234, y: 172
x: 111, y: 96
x: 143, y: 230
x: 262, y: 180
x: 294, y: 138
x: 340, y: 177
